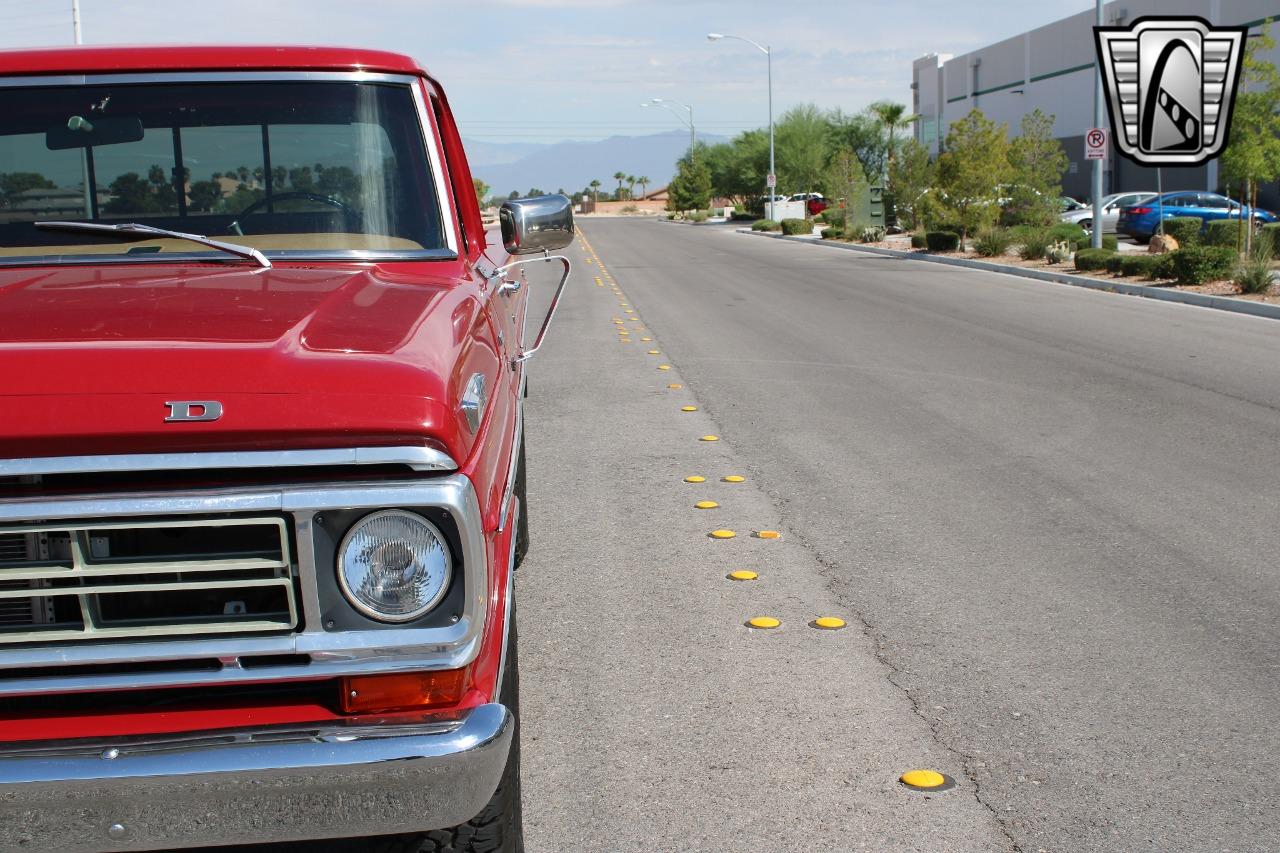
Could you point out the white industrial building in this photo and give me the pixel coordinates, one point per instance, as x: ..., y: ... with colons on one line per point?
x: 1052, y: 69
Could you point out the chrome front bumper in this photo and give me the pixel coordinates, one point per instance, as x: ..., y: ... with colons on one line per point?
x: 257, y: 786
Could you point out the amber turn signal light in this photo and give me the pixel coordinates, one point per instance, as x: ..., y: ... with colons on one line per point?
x: 365, y: 694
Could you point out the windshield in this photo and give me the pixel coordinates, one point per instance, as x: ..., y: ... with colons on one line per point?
x: 295, y: 169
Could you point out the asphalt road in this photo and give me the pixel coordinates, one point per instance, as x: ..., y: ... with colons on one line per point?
x: 1048, y: 515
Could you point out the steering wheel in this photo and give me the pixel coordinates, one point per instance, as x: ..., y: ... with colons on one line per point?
x: 346, y: 210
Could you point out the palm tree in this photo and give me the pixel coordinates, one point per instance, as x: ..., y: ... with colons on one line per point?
x: 595, y: 190
x: 619, y: 177
x: 643, y: 181
x: 893, y: 117
x: 631, y: 186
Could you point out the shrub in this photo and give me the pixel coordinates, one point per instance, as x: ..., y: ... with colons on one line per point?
x: 942, y: 241
x: 743, y: 216
x: 833, y: 216
x: 797, y: 226
x: 1110, y: 241
x: 1139, y: 266
x: 1184, y: 229
x: 1068, y: 232
x: 1163, y: 268
x: 1222, y: 232
x: 765, y: 225
x: 1255, y: 275
x: 832, y: 233
x: 1092, y: 259
x: 992, y: 242
x: 1112, y: 264
x: 918, y: 241
x: 1198, y: 264
x: 871, y: 234
x: 1268, y: 235
x: 1035, y: 243
x: 695, y: 216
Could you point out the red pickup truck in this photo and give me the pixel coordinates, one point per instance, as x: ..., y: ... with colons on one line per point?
x: 261, y: 454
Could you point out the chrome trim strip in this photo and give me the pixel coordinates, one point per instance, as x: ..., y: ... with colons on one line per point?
x: 285, y: 255
x: 506, y: 621
x: 510, y: 490
x: 251, y: 786
x: 16, y: 81
x: 434, y: 146
x: 417, y: 458
x: 332, y: 653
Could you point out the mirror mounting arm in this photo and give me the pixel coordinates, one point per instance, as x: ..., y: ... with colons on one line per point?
x: 514, y: 286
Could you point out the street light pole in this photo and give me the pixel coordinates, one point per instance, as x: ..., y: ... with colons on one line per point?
x: 1096, y: 240
x: 768, y: 52
x: 688, y: 122
x: 75, y: 20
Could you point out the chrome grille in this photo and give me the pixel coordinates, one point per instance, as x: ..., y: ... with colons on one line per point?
x: 160, y: 579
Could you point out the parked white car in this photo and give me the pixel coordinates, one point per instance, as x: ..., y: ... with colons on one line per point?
x: 1111, y: 207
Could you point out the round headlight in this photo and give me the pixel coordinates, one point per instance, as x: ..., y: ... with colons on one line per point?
x: 394, y: 566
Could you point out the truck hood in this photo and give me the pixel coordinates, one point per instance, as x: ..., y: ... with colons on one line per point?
x: 320, y: 356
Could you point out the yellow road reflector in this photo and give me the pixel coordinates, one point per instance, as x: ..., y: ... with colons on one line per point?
x: 675, y: 386
x: 735, y: 478
x: 646, y: 340
x: 927, y: 780
x: 768, y: 534
x: 655, y: 352
x: 763, y: 622
x: 688, y: 408
x: 710, y: 438
x: 829, y: 623
x: 722, y: 534
x: 664, y: 367
x: 695, y: 478
x: 742, y: 575
x: 618, y: 322
x: 706, y: 505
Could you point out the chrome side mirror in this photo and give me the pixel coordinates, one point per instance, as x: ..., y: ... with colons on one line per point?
x: 536, y: 224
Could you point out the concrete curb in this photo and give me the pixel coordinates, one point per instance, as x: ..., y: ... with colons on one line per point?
x: 1220, y: 303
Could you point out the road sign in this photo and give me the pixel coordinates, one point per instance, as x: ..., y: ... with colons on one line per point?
x: 1095, y: 144
x: 771, y: 181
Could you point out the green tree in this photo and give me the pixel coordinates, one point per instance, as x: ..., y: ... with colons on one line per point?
x: 1038, y: 163
x: 130, y: 194
x: 912, y: 175
x: 802, y: 153
x: 482, y: 190
x: 205, y: 195
x: 892, y: 118
x: 14, y: 184
x: 860, y: 134
x: 738, y: 168
x: 643, y: 181
x: 845, y: 179
x: 975, y: 165
x: 1253, y: 154
x: 619, y: 177
x: 301, y: 179
x: 595, y: 190
x: 690, y: 189
x: 631, y: 186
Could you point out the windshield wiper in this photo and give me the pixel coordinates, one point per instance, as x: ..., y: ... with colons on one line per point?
x: 130, y: 229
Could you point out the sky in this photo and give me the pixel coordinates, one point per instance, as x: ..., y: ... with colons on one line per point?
x: 548, y: 70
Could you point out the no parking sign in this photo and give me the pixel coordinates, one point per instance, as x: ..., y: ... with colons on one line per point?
x: 1095, y: 144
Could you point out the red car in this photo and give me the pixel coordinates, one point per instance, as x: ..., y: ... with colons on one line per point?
x: 261, y: 454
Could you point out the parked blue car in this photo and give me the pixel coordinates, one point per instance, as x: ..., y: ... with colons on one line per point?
x: 1139, y: 220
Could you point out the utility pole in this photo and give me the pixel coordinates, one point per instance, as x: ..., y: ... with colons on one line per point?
x: 1096, y: 240
x: 75, y: 20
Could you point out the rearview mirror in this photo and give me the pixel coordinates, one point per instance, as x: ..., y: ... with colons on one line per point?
x: 536, y: 224
x: 82, y: 132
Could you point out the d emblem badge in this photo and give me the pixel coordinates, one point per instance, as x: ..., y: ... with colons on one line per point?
x: 193, y: 410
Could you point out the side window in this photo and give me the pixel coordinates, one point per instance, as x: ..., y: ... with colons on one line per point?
x: 1216, y: 202
x: 457, y: 208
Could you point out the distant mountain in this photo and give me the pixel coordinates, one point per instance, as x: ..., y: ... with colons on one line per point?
x: 498, y: 153
x: 573, y: 165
